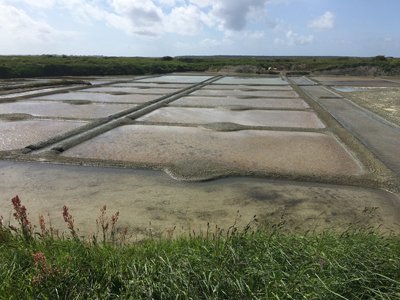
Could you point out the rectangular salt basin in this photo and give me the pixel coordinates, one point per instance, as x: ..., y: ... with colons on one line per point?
x: 275, y: 118
x: 243, y: 87
x: 63, y: 110
x: 144, y: 85
x: 176, y: 79
x: 267, y: 103
x: 31, y: 93
x: 132, y: 90
x: 244, y: 151
x: 99, y: 97
x: 240, y: 93
x: 356, y: 81
x: 319, y: 92
x: 252, y: 80
x: 302, y: 80
x: 19, y: 134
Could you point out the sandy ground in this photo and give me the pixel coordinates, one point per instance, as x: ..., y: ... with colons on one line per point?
x: 384, y: 102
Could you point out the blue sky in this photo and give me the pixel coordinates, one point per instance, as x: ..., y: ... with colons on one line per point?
x: 200, y: 27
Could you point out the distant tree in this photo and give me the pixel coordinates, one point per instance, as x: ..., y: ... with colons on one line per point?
x: 380, y: 57
x: 167, y: 58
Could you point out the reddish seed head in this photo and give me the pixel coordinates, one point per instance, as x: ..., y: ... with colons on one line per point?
x: 42, y: 223
x: 39, y: 258
x: 114, y: 218
x: 66, y: 215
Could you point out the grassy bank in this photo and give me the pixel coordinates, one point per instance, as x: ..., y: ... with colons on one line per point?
x: 53, y: 65
x: 252, y: 263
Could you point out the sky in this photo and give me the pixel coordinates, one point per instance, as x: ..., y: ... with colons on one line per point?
x: 200, y: 27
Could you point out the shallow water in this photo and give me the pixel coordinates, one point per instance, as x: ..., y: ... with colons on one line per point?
x: 100, y: 97
x: 151, y: 200
x: 267, y: 103
x: 31, y: 93
x: 276, y: 118
x: 63, y: 110
x: 197, y: 152
x: 241, y: 93
x: 16, y: 135
x: 243, y: 87
x: 252, y: 80
x: 144, y: 85
x: 176, y: 79
x: 132, y: 90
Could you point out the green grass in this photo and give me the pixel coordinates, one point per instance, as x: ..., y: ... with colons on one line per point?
x: 261, y: 265
x: 53, y: 65
x: 252, y: 263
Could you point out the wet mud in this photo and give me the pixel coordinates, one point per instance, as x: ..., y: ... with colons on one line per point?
x: 152, y: 203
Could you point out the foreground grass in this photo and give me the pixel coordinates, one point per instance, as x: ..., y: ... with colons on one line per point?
x: 253, y: 263
x: 248, y: 265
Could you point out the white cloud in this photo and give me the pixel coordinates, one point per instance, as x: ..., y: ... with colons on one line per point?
x: 37, y: 4
x: 155, y: 17
x: 326, y: 21
x: 19, y: 31
x: 185, y: 20
x: 202, y: 3
x: 292, y: 38
x: 234, y: 15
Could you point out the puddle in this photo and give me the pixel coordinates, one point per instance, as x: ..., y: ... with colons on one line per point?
x: 150, y: 200
x: 16, y: 135
x: 63, y: 110
x: 240, y: 93
x: 295, y: 119
x: 176, y: 79
x: 247, y: 151
x: 252, y: 80
x: 271, y: 103
x: 99, y: 97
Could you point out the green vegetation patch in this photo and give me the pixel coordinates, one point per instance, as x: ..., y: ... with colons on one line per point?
x: 253, y: 263
x: 62, y: 65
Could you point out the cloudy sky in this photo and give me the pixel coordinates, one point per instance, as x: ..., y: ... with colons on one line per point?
x: 200, y: 27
